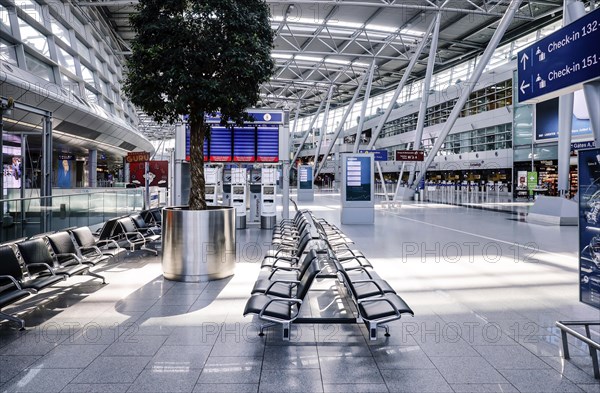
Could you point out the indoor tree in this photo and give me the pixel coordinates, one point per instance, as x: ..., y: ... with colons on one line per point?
x: 195, y: 58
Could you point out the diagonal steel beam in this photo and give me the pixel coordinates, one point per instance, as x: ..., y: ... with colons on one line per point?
x: 485, y: 58
x: 401, y: 85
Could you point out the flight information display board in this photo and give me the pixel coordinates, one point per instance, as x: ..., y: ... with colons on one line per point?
x: 187, y: 144
x: 305, y: 177
x: 220, y: 144
x: 267, y: 144
x: 589, y: 227
x: 244, y: 144
x: 239, y: 144
x: 358, y: 179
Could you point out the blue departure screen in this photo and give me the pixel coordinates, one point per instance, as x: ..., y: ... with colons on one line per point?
x: 267, y: 147
x: 244, y: 144
x: 187, y: 145
x: 220, y: 144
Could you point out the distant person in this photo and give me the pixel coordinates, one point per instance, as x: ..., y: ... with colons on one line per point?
x: 64, y: 174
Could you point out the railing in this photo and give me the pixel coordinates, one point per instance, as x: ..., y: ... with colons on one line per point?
x: 23, y: 217
x: 465, y: 194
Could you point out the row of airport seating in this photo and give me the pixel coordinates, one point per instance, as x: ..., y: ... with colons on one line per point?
x: 307, y: 248
x: 30, y: 265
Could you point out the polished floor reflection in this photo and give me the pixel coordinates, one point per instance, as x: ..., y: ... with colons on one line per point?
x: 486, y: 290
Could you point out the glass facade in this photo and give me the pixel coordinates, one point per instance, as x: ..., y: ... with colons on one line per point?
x: 84, y: 61
x: 487, y: 99
x: 442, y: 82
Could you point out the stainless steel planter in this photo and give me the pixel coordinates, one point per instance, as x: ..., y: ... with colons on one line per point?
x: 198, y: 245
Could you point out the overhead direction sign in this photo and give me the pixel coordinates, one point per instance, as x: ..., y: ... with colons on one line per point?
x: 380, y: 155
x: 561, y: 62
x: 410, y: 155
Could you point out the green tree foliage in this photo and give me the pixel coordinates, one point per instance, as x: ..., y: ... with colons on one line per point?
x: 198, y: 57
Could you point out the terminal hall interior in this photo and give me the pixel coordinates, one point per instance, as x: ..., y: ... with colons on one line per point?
x: 412, y: 204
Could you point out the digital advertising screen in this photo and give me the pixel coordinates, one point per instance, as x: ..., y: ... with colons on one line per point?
x: 589, y: 227
x: 305, y: 177
x: 267, y: 144
x: 244, y: 144
x: 546, y: 119
x: 12, y: 168
x: 358, y: 179
x: 157, y: 171
x: 64, y: 174
x: 220, y: 144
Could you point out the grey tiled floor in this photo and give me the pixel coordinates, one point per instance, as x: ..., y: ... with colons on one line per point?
x: 485, y: 310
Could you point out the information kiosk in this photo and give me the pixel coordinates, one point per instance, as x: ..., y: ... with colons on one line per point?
x: 238, y: 196
x: 358, y: 202
x: 268, y: 203
x: 305, y: 183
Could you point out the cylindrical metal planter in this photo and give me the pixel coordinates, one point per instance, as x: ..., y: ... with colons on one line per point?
x: 198, y: 245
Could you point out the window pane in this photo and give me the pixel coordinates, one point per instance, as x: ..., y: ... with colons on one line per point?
x: 32, y: 9
x: 34, y: 38
x: 4, y: 21
x: 39, y: 68
x: 60, y: 31
x: 65, y: 59
x: 70, y: 84
x: 87, y: 75
x: 91, y: 96
x: 78, y: 26
x: 8, y: 53
x: 83, y: 50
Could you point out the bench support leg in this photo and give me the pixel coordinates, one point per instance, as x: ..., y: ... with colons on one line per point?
x: 97, y: 276
x: 261, y: 333
x: 12, y: 318
x: 145, y: 248
x: 372, y: 331
x: 286, y: 331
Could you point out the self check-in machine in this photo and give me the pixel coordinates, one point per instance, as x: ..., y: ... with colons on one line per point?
x: 305, y: 183
x: 226, y: 187
x: 268, y: 203
x: 358, y: 197
x: 211, y: 176
x: 238, y: 196
x: 254, y: 199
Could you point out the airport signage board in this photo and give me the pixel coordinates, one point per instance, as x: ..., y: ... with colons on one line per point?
x: 410, y: 155
x: 561, y: 62
x: 380, y: 155
x: 257, y: 116
x: 589, y: 227
x: 582, y: 145
x: 138, y: 156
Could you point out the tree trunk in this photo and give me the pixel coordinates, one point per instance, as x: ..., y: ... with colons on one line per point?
x: 197, y: 186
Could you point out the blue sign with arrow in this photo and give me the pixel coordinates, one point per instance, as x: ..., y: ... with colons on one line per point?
x: 561, y: 62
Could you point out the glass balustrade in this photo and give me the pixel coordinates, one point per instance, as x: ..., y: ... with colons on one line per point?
x: 24, y: 217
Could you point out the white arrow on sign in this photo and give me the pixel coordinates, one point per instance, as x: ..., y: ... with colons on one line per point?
x: 523, y: 87
x: 524, y: 59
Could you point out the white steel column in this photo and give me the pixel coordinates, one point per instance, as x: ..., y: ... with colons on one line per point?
x: 310, y: 127
x: 363, y: 109
x: 592, y: 99
x: 93, y: 168
x: 426, y: 88
x: 572, y: 10
x: 340, y: 126
x: 323, y: 125
x: 291, y: 141
x: 405, y: 76
x: 485, y: 58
